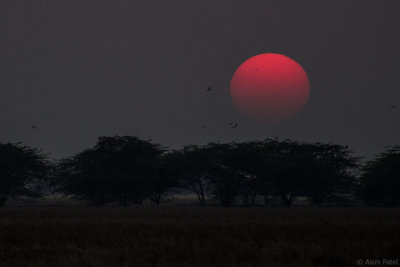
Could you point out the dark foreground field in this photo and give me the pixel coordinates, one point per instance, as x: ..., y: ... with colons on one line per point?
x: 194, y: 236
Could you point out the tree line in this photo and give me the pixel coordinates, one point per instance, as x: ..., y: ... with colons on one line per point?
x: 129, y: 170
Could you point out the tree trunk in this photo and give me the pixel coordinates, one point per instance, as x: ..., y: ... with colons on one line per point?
x: 253, y: 199
x: 157, y: 198
x: 287, y: 199
x: 266, y: 201
x: 203, y: 199
x: 199, y: 194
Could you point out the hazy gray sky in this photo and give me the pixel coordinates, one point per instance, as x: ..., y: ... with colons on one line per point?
x: 82, y: 69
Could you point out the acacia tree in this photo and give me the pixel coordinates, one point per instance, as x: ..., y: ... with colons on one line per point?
x: 222, y: 172
x: 246, y: 159
x: 191, y: 171
x: 166, y: 178
x: 330, y: 175
x: 276, y: 165
x: 288, y: 169
x: 81, y: 177
x: 380, y: 179
x: 232, y: 171
x: 118, y: 168
x: 216, y: 169
x: 226, y: 171
x: 22, y: 169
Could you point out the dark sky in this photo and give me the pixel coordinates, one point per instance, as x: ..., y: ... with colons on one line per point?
x: 82, y: 69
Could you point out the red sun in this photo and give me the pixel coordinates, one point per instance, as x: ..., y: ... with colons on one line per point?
x: 270, y: 88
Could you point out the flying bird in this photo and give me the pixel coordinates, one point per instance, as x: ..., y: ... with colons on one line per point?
x: 203, y: 126
x: 393, y: 106
x: 208, y: 89
x: 34, y: 127
x: 235, y: 125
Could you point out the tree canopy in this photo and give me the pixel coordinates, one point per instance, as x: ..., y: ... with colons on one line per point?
x: 128, y: 170
x: 22, y: 169
x: 380, y: 179
x: 116, y: 169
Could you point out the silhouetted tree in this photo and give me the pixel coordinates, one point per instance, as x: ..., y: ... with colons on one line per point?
x: 257, y: 165
x: 244, y: 158
x: 166, y: 177
x: 223, y: 172
x: 222, y: 168
x: 191, y: 171
x: 118, y: 168
x: 277, y: 167
x: 330, y: 172
x: 380, y: 179
x: 22, y: 169
x: 81, y: 177
x: 289, y: 169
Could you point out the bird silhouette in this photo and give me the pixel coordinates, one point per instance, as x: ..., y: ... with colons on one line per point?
x: 34, y: 127
x: 203, y: 126
x: 235, y: 125
x: 393, y: 106
x: 208, y: 89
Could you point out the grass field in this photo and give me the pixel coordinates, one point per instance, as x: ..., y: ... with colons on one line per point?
x: 195, y: 236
